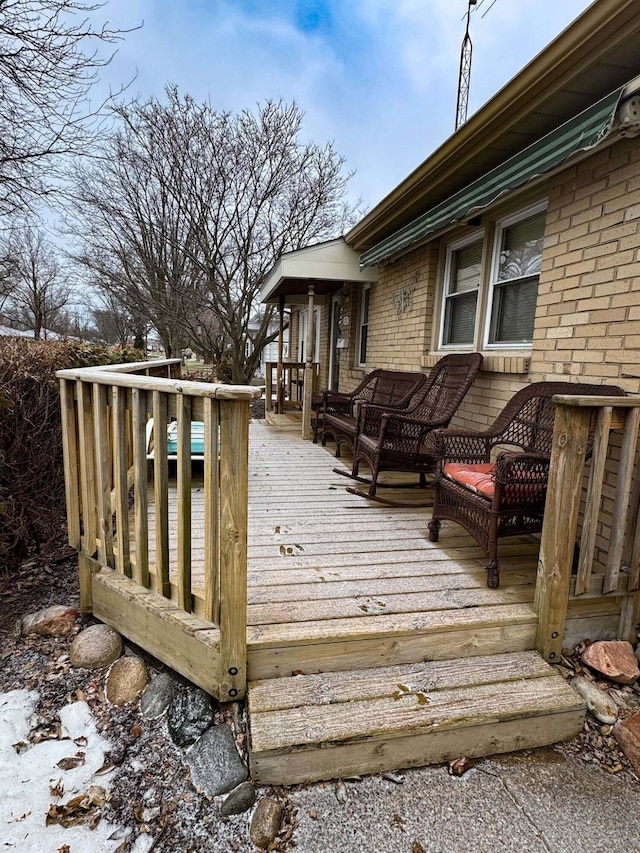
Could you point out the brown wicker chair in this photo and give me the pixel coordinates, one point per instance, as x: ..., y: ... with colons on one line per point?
x: 402, y: 441
x: 506, y: 497
x: 393, y: 389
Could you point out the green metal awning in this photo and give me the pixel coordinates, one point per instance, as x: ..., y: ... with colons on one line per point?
x: 580, y: 133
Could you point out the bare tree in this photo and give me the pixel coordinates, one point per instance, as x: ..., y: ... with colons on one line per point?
x: 38, y: 289
x: 48, y: 62
x: 206, y: 201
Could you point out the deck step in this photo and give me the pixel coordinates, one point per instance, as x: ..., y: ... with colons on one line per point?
x: 310, y: 727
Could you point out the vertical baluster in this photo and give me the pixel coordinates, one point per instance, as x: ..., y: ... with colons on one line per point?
x: 120, y: 433
x: 570, y: 434
x: 594, y: 496
x: 211, y: 512
x: 234, y: 484
x: 621, y: 505
x: 71, y: 475
x: 103, y: 475
x: 141, y: 520
x: 87, y: 469
x: 183, y: 406
x: 161, y: 493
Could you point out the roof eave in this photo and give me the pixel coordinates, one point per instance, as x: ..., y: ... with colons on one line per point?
x: 595, y: 32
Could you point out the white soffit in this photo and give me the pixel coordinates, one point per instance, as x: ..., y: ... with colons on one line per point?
x: 325, y: 265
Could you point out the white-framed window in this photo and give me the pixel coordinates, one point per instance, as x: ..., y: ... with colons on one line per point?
x: 490, y: 284
x: 515, y: 271
x: 363, y: 324
x: 463, y: 267
x: 302, y: 334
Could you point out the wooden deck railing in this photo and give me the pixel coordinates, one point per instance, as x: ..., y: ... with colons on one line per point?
x: 619, y: 564
x: 105, y: 412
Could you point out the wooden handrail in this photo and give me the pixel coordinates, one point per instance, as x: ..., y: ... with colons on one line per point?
x: 149, y: 383
x: 573, y: 420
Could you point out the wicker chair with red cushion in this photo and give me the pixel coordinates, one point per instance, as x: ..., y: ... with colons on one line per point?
x: 402, y: 441
x: 391, y: 389
x: 506, y: 496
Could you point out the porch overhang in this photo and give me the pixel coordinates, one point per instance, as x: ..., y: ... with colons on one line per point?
x: 588, y: 129
x: 326, y: 267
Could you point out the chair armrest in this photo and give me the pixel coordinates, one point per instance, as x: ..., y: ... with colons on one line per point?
x: 336, y: 403
x: 407, y: 433
x: 521, y: 478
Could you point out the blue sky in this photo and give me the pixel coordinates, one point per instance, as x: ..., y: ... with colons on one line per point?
x: 378, y: 77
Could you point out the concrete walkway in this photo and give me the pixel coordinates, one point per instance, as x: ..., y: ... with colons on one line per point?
x: 539, y: 802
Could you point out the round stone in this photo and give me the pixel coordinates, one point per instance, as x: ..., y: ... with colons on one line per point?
x: 127, y: 678
x: 157, y: 696
x: 239, y: 800
x: 265, y: 823
x: 95, y: 647
x: 190, y: 715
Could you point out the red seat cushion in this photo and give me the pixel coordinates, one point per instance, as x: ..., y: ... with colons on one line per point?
x: 479, y: 478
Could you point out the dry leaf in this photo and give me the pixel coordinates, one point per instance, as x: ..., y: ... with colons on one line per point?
x: 460, y: 766
x: 71, y: 762
x: 57, y: 789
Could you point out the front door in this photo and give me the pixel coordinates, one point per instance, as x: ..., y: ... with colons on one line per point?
x: 334, y: 351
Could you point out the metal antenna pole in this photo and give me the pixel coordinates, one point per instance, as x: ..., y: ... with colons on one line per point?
x: 464, y: 77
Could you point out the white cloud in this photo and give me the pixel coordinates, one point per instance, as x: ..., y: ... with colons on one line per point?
x: 380, y: 78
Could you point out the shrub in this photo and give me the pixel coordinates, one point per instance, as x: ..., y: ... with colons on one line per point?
x: 32, y: 500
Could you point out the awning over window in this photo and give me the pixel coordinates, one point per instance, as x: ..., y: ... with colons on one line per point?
x: 586, y: 130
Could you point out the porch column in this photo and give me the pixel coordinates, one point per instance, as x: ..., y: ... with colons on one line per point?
x: 279, y: 388
x: 307, y: 390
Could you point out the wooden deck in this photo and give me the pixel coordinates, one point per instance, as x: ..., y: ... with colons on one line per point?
x: 336, y: 582
x: 347, y: 594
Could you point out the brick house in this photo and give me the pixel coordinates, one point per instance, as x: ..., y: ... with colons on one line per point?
x: 518, y: 237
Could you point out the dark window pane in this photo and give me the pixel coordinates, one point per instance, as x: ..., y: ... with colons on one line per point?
x: 460, y: 318
x: 514, y: 309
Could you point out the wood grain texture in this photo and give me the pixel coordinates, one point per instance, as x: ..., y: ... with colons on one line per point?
x: 211, y: 521
x: 186, y: 643
x: 234, y: 453
x: 121, y: 480
x: 183, y: 495
x: 594, y: 496
x: 560, y: 524
x: 140, y: 506
x: 103, y: 475
x: 317, y: 727
x: 70, y: 455
x: 161, y: 494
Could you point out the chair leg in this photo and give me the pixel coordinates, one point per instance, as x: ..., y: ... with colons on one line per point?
x: 434, y: 529
x: 355, y: 468
x: 493, y: 574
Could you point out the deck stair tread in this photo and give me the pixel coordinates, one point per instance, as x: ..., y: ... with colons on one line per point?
x: 309, y: 727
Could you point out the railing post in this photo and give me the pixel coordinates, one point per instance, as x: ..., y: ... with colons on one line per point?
x: 234, y: 487
x: 570, y: 436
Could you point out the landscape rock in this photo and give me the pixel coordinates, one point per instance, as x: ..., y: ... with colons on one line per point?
x: 216, y: 766
x: 157, y: 696
x: 614, y: 659
x: 599, y: 703
x: 127, y: 679
x: 265, y: 823
x: 95, y: 647
x: 55, y: 621
x: 239, y: 800
x: 627, y: 733
x: 190, y: 715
